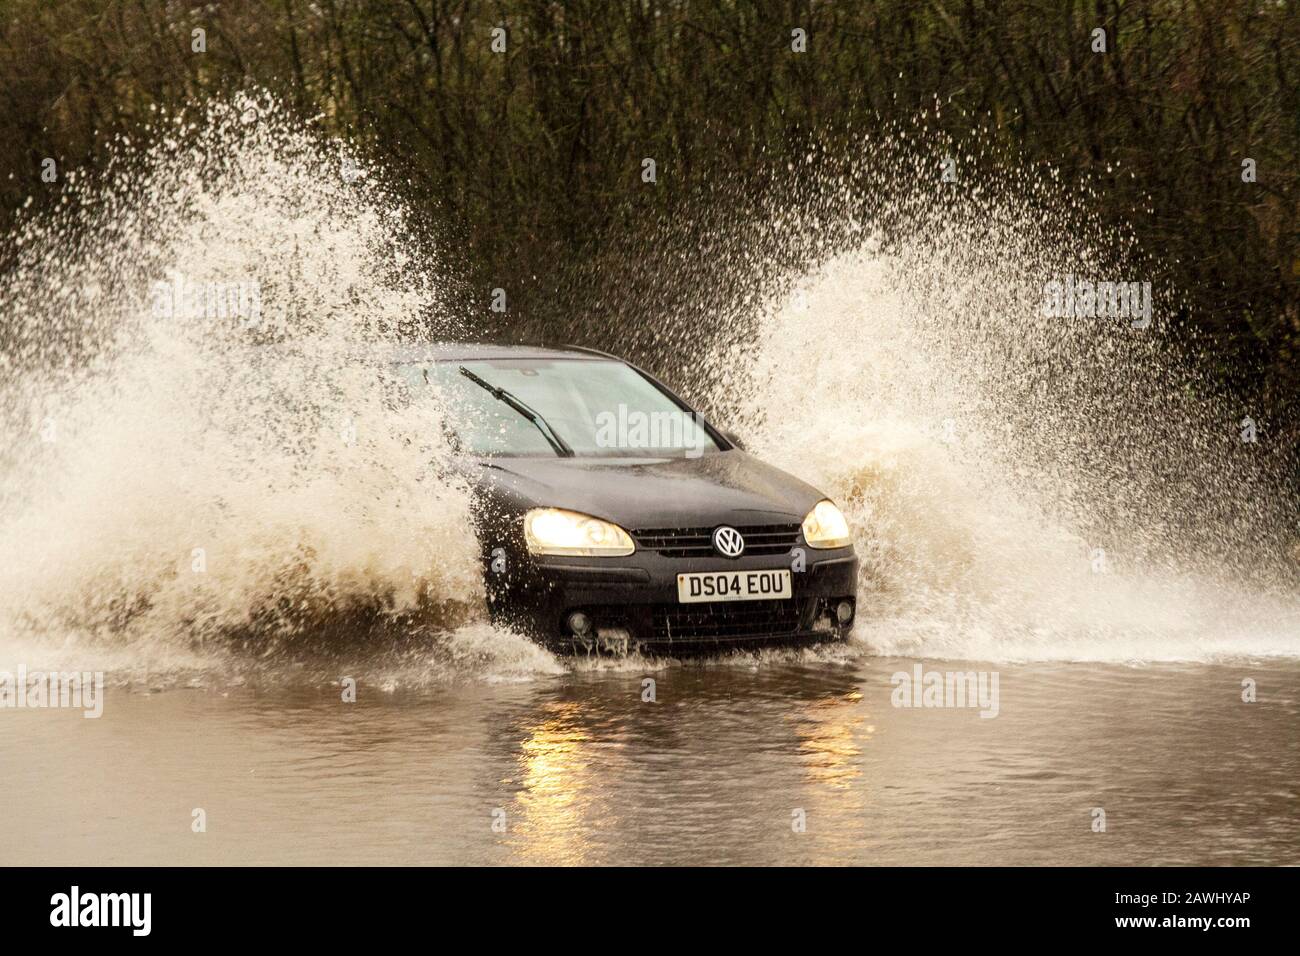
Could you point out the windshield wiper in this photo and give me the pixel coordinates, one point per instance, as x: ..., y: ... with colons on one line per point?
x: 500, y: 394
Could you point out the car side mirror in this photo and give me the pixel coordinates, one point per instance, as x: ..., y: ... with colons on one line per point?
x: 734, y: 439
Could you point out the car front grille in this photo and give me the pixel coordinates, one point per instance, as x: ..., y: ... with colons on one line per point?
x: 698, y: 542
x: 724, y: 620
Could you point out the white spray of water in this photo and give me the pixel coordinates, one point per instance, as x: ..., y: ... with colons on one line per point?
x: 175, y: 486
x: 909, y: 386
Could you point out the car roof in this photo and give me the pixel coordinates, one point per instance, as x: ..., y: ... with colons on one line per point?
x: 468, y: 351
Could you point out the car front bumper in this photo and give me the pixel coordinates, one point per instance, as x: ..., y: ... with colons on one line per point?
x: 631, y: 603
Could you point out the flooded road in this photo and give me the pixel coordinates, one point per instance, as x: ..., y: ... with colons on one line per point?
x: 198, y: 502
x: 788, y: 759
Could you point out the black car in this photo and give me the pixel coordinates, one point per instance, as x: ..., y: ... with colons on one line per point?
x: 613, y: 517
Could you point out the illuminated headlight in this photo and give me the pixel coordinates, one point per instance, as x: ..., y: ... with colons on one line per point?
x: 555, y: 531
x: 825, y: 527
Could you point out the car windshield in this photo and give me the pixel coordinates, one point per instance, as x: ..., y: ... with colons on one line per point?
x: 557, y: 406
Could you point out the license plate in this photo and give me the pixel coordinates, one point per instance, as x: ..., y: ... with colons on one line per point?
x: 732, y: 586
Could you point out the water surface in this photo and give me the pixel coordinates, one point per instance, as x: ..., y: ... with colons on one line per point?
x: 579, y: 769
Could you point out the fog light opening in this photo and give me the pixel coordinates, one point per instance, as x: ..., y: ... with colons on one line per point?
x: 844, y: 612
x: 579, y: 623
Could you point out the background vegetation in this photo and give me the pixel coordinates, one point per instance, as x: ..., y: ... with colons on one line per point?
x: 529, y: 161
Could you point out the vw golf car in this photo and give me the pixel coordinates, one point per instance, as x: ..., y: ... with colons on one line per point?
x: 613, y: 517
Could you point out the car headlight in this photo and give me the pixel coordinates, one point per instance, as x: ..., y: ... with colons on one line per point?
x: 556, y: 531
x: 825, y: 526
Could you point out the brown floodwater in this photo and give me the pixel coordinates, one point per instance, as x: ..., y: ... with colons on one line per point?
x: 782, y: 759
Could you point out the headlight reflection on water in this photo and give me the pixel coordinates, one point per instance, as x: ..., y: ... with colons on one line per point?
x: 556, y: 805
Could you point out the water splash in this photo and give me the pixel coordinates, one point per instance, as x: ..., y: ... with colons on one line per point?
x: 199, y: 449
x: 1021, y: 486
